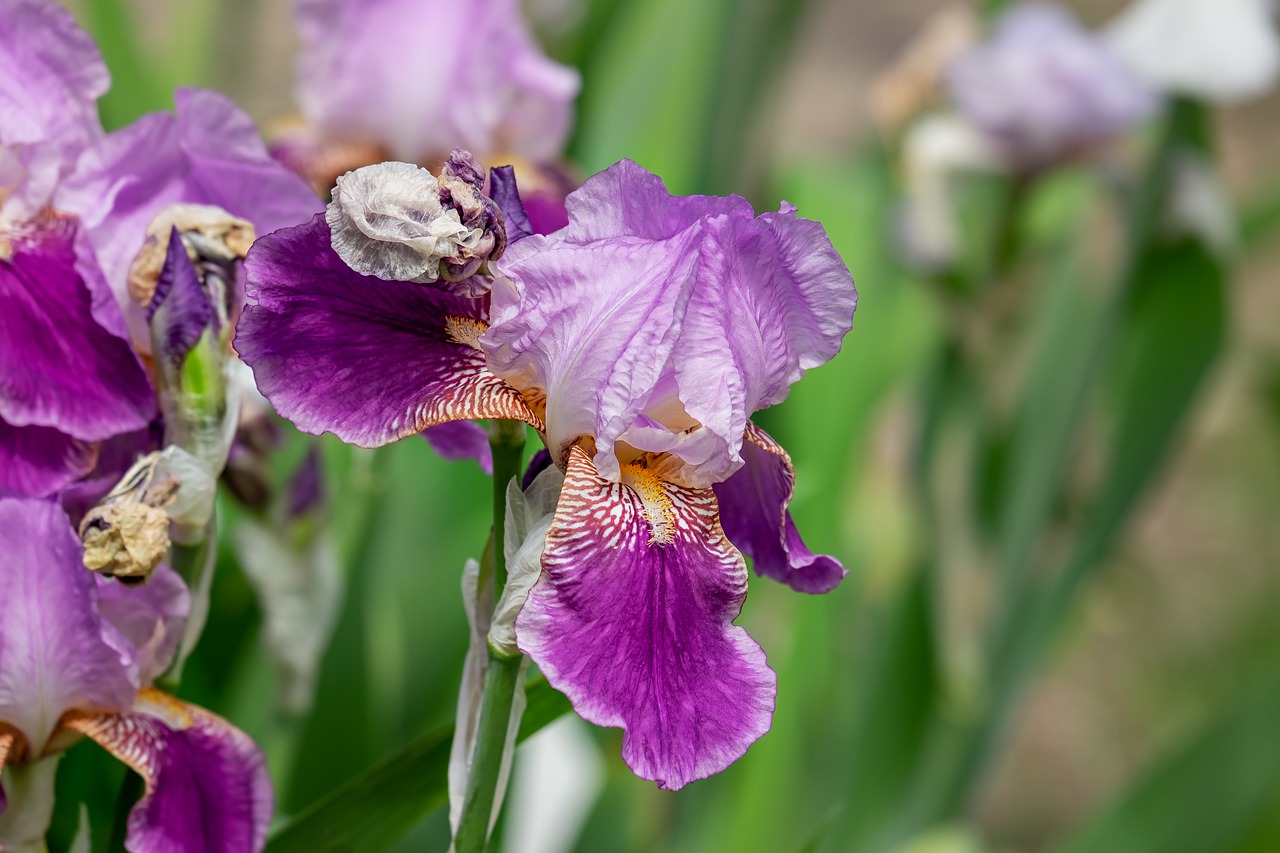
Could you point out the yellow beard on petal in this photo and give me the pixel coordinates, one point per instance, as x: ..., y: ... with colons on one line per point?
x: 658, y: 510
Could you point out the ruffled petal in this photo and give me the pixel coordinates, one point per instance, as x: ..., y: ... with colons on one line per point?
x: 461, y: 440
x: 39, y: 461
x: 207, y: 789
x: 633, y: 620
x: 151, y: 617
x: 208, y: 153
x: 753, y: 510
x: 58, y: 366
x: 51, y: 76
x: 56, y: 653
x: 408, y: 74
x: 369, y: 360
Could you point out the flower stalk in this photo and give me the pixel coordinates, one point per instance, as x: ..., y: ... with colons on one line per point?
x: 503, y: 672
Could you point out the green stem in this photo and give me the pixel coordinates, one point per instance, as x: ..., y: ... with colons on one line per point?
x: 506, y: 439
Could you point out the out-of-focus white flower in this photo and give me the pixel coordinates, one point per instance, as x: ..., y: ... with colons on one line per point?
x: 556, y: 782
x: 934, y: 151
x: 1220, y: 50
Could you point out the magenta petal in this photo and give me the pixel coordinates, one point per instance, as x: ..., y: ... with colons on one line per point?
x: 369, y: 360
x: 207, y: 789
x: 633, y: 620
x: 461, y: 440
x: 55, y: 651
x: 38, y: 461
x: 58, y: 366
x: 753, y: 510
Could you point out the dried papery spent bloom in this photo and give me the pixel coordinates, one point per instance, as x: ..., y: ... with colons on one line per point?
x: 207, y: 231
x: 398, y: 222
x: 1219, y: 50
x: 1044, y: 89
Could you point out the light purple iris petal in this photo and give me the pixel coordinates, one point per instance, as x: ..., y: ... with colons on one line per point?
x: 51, y: 76
x: 753, y: 510
x: 207, y: 789
x: 56, y: 653
x: 58, y: 366
x: 1042, y: 87
x: 150, y: 616
x: 39, y: 461
x: 208, y: 153
x: 423, y: 76
x: 640, y: 634
x: 461, y: 440
x: 369, y: 360
x: 665, y: 321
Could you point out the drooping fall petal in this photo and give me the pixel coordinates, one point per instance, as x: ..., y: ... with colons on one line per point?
x: 633, y: 620
x: 369, y: 360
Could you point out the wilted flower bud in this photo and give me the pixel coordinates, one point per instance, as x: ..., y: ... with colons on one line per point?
x: 397, y: 221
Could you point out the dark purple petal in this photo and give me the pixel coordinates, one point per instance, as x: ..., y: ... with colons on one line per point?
x: 753, y: 510
x: 150, y: 616
x: 56, y: 652
x: 51, y: 76
x: 369, y: 360
x: 306, y: 486
x: 207, y: 789
x: 461, y: 440
x: 208, y: 153
x: 633, y: 620
x: 58, y: 366
x: 503, y: 190
x: 540, y: 462
x: 180, y: 310
x: 546, y: 211
x: 420, y: 77
x: 38, y: 461
x: 115, y: 456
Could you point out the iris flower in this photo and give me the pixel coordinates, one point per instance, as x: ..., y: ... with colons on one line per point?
x: 74, y: 208
x: 638, y: 341
x: 78, y: 654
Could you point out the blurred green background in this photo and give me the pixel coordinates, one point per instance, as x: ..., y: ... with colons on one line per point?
x: 1152, y: 720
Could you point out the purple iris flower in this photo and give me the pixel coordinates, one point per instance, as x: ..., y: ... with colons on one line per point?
x: 74, y: 208
x: 638, y: 340
x: 410, y: 80
x: 1043, y: 89
x: 77, y: 657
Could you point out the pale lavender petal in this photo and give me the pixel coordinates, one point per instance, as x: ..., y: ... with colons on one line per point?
x: 150, y: 616
x: 56, y: 653
x: 208, y: 153
x: 461, y: 440
x: 207, y: 788
x: 664, y: 321
x: 51, y: 76
x: 58, y: 366
x: 753, y: 510
x: 369, y: 360
x: 633, y: 620
x: 1042, y: 87
x: 39, y: 461
x: 423, y: 76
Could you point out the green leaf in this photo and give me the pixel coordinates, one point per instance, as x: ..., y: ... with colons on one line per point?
x: 1210, y: 795
x: 373, y: 810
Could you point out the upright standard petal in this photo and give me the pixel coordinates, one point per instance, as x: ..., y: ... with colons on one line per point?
x: 56, y: 653
x: 422, y: 76
x: 51, y: 76
x: 369, y: 360
x: 58, y: 366
x: 753, y: 510
x: 664, y: 321
x: 208, y: 153
x: 207, y: 788
x: 633, y: 620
